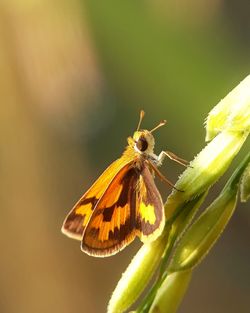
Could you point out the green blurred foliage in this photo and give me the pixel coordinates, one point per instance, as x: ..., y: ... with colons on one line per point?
x: 74, y: 76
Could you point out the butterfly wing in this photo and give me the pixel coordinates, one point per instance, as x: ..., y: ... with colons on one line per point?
x: 79, y: 216
x: 131, y: 206
x: 113, y: 224
x: 150, y: 212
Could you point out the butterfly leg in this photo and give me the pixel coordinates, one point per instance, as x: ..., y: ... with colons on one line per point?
x: 173, y: 157
x: 162, y: 177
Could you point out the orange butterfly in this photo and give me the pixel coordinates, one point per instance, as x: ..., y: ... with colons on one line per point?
x: 124, y: 202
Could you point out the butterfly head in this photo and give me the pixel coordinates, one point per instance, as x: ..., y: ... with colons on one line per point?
x: 143, y: 141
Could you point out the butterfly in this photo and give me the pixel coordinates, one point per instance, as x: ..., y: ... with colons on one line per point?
x: 124, y: 201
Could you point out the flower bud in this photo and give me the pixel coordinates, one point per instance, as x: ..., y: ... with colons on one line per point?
x: 210, y: 164
x: 245, y: 185
x: 171, y: 292
x: 137, y: 275
x: 232, y: 112
x: 201, y: 236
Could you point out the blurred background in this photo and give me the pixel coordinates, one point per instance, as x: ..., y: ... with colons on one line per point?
x: 73, y: 77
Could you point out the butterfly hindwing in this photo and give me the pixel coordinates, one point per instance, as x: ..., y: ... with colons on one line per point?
x: 113, y: 224
x: 79, y: 216
x: 150, y: 212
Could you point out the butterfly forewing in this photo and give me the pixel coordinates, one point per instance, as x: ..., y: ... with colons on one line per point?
x: 79, y: 216
x: 113, y: 224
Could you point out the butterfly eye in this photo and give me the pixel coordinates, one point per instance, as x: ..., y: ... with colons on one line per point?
x: 142, y: 144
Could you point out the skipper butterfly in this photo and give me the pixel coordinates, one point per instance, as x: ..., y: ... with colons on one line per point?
x: 124, y: 202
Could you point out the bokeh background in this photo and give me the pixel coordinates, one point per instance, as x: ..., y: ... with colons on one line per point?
x: 73, y: 77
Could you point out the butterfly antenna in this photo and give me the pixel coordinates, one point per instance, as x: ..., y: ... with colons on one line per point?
x: 142, y: 113
x: 162, y: 123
